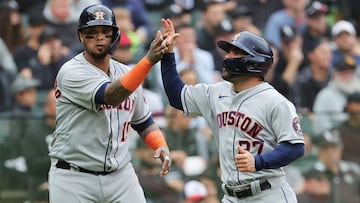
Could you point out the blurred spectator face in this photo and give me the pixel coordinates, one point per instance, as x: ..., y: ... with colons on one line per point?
x: 123, y: 52
x: 54, y: 45
x: 176, y: 120
x: 187, y: 38
x: 61, y: 9
x: 353, y: 109
x: 27, y: 97
x: 241, y: 24
x: 189, y: 76
x: 318, y: 186
x: 345, y: 77
x: 317, y: 24
x: 346, y: 81
x: 330, y: 155
x: 15, y: 18
x: 321, y: 56
x: 214, y: 14
x: 345, y: 41
x: 123, y: 19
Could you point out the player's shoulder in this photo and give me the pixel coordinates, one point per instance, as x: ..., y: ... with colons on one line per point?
x: 271, y: 95
x: 77, y: 61
x: 220, y: 86
x: 120, y: 66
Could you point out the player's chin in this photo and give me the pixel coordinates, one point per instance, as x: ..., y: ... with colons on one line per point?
x: 226, y: 75
x: 98, y: 54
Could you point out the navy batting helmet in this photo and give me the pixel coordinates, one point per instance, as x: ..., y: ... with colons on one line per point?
x: 99, y: 14
x: 258, y: 55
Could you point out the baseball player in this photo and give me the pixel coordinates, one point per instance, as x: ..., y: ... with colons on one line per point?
x: 98, y: 100
x: 256, y: 129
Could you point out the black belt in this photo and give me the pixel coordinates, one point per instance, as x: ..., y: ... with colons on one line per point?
x: 65, y: 165
x: 246, y: 192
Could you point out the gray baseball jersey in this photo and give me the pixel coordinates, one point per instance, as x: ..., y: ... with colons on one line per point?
x: 89, y: 135
x: 257, y: 119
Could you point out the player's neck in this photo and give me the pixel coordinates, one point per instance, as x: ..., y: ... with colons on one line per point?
x: 101, y: 63
x: 244, y: 82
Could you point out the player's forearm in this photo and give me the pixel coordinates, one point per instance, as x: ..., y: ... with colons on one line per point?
x: 119, y: 90
x: 282, y: 155
x: 171, y: 80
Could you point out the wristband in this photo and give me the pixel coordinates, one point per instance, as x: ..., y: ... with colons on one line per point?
x: 136, y: 75
x: 155, y: 139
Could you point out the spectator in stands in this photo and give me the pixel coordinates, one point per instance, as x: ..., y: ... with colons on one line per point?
x: 189, y: 55
x: 177, y: 15
x: 187, y: 143
x: 344, y: 176
x: 123, y: 51
x: 330, y: 101
x: 345, y: 38
x: 289, y: 61
x: 293, y: 14
x: 242, y: 20
x: 212, y: 14
x: 35, y: 146
x: 317, y: 187
x: 24, y: 93
x: 156, y: 189
x: 350, y: 128
x: 24, y: 53
x: 50, y: 56
x: 125, y: 25
x: 194, y: 192
x: 138, y: 15
x: 59, y: 15
x: 261, y: 10
x: 317, y: 26
x: 28, y: 6
x: 222, y: 32
x: 8, y: 72
x: 12, y: 27
x: 314, y: 77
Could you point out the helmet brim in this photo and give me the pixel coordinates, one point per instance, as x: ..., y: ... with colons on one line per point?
x: 226, y: 46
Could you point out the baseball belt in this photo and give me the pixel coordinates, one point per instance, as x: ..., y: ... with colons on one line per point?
x: 248, y: 189
x: 65, y: 165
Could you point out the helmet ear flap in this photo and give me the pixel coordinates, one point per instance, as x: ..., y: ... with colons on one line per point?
x: 115, y: 41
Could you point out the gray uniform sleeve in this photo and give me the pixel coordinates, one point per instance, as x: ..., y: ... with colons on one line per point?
x: 79, y: 85
x: 285, y: 123
x: 142, y: 109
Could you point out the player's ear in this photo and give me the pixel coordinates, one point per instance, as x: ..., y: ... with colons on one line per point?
x: 80, y: 37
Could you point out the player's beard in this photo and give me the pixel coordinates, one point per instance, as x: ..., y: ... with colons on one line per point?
x: 98, y: 55
x: 227, y: 76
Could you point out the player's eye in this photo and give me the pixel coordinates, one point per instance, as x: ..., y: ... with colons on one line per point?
x: 90, y: 36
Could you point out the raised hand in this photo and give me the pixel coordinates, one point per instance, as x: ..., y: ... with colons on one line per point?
x: 169, y: 35
x: 156, y: 49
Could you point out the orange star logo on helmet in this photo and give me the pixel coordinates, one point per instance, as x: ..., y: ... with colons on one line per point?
x: 99, y: 15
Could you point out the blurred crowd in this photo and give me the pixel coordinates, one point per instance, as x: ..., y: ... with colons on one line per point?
x: 316, y: 66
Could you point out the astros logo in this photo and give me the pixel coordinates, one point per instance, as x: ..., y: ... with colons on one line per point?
x: 99, y: 15
x: 296, y: 126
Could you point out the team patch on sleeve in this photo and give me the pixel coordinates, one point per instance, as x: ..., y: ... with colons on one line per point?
x: 296, y: 126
